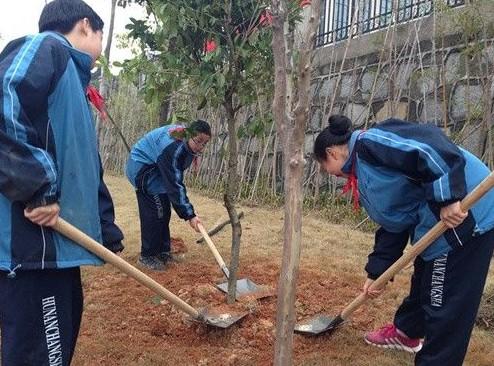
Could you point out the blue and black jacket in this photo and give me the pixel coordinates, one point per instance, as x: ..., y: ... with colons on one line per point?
x: 48, y: 153
x: 156, y: 165
x: 406, y: 172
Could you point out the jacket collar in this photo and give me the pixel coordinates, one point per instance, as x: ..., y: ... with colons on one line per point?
x: 187, y: 148
x: 82, y: 60
x: 347, y: 167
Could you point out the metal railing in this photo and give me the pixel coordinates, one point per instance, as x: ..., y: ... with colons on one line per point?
x: 371, y: 15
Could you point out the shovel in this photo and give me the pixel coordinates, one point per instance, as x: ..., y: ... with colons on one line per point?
x: 215, y: 319
x: 324, y: 323
x: 245, y: 287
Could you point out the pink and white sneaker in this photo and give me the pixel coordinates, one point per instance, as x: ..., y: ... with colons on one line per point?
x: 392, y: 338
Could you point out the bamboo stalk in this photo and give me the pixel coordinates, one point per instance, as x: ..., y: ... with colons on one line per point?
x: 261, y: 162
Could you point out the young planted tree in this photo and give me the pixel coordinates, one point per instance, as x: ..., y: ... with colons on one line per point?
x: 218, y: 53
x: 292, y: 60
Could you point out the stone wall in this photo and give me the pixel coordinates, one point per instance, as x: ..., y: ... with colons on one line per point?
x: 421, y: 71
x: 404, y: 72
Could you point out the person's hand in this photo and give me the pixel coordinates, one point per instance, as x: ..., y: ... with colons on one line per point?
x: 43, y: 215
x: 371, y: 293
x: 194, y: 223
x: 452, y: 215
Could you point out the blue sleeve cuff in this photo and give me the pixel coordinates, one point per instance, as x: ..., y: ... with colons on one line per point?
x: 42, y: 201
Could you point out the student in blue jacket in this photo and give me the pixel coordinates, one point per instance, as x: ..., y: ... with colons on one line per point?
x: 49, y: 166
x: 155, y: 168
x: 408, y: 177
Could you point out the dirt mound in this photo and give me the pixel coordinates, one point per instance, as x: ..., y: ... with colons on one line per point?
x: 178, y: 246
x: 131, y: 313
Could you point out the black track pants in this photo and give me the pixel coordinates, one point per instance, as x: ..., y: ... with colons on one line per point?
x: 154, y: 214
x: 443, y: 301
x: 40, y: 315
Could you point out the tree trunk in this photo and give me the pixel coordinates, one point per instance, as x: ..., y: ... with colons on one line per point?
x: 230, y: 197
x: 290, y: 123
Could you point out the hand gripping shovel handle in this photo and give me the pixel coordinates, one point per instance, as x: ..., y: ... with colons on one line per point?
x: 216, y: 254
x: 66, y: 229
x: 419, y: 246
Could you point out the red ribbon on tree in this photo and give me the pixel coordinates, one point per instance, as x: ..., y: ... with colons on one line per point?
x: 266, y: 18
x: 97, y: 101
x: 210, y: 46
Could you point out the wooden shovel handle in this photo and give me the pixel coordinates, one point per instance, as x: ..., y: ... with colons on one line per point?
x: 215, y: 252
x: 71, y: 232
x: 419, y: 246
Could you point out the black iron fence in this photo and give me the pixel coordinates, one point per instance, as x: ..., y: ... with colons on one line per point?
x: 371, y: 15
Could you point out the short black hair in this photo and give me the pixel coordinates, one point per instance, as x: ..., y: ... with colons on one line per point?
x: 62, y: 15
x: 200, y: 126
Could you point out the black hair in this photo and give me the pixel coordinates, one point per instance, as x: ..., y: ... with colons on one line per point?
x: 200, y: 126
x: 62, y: 15
x: 337, y: 133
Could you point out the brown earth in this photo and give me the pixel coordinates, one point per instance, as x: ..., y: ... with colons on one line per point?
x: 124, y: 323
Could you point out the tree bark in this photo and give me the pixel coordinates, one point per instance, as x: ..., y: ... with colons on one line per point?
x: 230, y: 196
x: 290, y: 123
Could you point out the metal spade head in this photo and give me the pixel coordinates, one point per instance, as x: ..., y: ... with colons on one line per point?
x: 246, y: 287
x: 318, y: 324
x: 219, y: 319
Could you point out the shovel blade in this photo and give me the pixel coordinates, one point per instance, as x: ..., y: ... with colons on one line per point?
x: 246, y: 287
x: 221, y: 319
x: 317, y: 325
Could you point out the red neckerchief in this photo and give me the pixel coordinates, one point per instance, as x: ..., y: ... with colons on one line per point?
x: 97, y: 101
x: 352, y: 184
x: 352, y: 181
